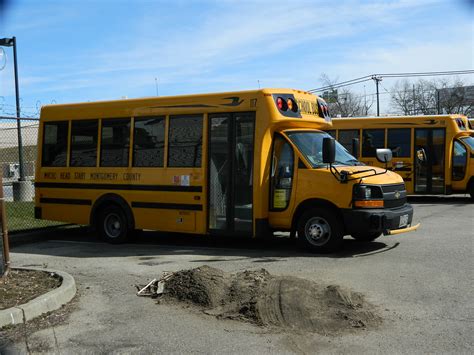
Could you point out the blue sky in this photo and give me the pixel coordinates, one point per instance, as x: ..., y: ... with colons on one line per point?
x: 70, y: 51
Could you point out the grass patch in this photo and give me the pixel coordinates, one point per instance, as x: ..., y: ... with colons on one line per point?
x: 21, y: 216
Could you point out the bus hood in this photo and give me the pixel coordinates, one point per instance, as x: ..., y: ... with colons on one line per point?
x: 371, y: 174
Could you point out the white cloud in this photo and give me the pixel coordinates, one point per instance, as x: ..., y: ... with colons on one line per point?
x: 234, y: 44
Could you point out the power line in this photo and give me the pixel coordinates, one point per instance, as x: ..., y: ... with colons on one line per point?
x: 434, y: 73
x: 390, y: 75
x: 344, y: 83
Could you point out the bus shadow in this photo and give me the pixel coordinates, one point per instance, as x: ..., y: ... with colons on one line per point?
x: 440, y: 199
x: 149, y: 246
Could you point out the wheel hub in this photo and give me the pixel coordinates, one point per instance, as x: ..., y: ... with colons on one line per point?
x: 315, y: 231
x: 112, y: 225
x: 318, y: 231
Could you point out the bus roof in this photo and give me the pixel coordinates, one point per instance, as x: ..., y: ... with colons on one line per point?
x: 153, y: 99
x: 310, y: 109
x: 406, y: 118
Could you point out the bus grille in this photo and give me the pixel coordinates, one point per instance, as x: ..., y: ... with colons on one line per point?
x: 394, y: 195
x: 395, y: 203
x: 393, y: 188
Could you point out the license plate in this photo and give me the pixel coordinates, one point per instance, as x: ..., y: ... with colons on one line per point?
x: 403, y: 221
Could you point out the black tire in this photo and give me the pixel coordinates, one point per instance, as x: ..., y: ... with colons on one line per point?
x: 366, y: 237
x: 319, y: 230
x: 112, y: 225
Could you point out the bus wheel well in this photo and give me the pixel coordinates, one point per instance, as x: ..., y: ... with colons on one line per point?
x: 312, y: 203
x: 114, y: 200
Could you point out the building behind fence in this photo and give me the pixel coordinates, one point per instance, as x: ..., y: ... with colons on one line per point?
x: 19, y: 205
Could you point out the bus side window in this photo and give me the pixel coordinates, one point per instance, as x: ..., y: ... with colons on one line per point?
x: 149, y: 142
x: 185, y: 141
x: 459, y: 161
x: 55, y: 143
x: 115, y: 142
x: 332, y: 133
x: 282, y: 174
x: 398, y: 141
x: 372, y: 139
x: 84, y: 143
x: 346, y: 136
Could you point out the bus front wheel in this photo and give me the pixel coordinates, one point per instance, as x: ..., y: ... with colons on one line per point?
x: 113, y: 225
x: 319, y: 230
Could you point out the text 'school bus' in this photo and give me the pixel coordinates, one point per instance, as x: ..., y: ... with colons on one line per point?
x: 237, y: 163
x: 433, y: 154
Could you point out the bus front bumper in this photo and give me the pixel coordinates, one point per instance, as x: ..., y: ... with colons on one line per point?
x: 386, y: 221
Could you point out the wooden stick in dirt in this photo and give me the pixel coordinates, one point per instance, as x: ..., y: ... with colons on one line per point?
x: 4, y: 231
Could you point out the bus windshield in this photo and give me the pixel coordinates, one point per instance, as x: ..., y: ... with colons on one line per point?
x: 310, y: 144
x: 469, y: 141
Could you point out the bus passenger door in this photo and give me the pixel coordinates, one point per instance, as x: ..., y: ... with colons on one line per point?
x: 281, y: 182
x: 429, y: 160
x: 231, y: 146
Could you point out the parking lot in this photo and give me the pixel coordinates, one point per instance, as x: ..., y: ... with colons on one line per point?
x: 421, y: 284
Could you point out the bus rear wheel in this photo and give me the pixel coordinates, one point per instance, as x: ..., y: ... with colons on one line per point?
x: 366, y: 237
x: 113, y: 225
x: 319, y: 230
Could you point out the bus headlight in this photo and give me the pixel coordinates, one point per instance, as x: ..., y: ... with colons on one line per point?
x: 367, y: 196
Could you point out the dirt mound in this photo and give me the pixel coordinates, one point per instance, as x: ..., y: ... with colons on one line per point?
x: 264, y: 299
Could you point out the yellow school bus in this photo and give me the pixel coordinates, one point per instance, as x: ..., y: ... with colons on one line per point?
x: 434, y: 154
x: 237, y: 163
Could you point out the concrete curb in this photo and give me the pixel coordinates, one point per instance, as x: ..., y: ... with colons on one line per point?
x: 41, y: 235
x: 48, y: 302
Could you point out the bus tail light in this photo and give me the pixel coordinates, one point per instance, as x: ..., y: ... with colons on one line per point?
x: 292, y: 106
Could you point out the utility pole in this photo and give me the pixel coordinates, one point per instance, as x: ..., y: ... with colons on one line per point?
x: 377, y: 79
x: 414, y: 101
x: 11, y: 42
x: 156, y: 85
x: 438, y: 106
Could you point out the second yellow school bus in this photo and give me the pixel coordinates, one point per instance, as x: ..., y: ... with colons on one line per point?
x: 237, y: 163
x: 434, y: 154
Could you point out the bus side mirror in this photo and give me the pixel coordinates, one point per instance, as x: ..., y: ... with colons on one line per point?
x: 355, y: 147
x: 384, y: 155
x: 329, y: 150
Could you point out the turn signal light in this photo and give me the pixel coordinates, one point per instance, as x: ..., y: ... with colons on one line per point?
x: 369, y: 204
x: 281, y: 104
x: 292, y: 105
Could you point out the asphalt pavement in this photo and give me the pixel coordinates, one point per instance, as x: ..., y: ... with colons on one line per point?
x: 420, y: 282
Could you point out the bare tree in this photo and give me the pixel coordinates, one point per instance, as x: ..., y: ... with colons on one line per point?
x: 402, y: 97
x: 343, y: 102
x: 431, y: 97
x: 453, y: 97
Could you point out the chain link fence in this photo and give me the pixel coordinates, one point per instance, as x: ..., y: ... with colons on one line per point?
x: 19, y: 193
